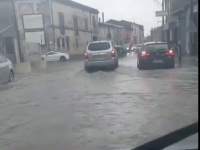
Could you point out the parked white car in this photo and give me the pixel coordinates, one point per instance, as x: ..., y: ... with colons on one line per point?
x: 6, y: 70
x: 55, y: 56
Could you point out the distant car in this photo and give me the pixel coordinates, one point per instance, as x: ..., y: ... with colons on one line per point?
x: 155, y: 54
x: 127, y: 47
x: 55, y: 56
x: 137, y: 48
x: 120, y: 50
x: 133, y: 48
x: 100, y: 54
x: 6, y: 70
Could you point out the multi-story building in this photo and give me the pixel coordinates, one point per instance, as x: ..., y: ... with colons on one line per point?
x: 112, y: 32
x: 138, y: 33
x: 74, y: 26
x: 156, y: 34
x: 49, y: 24
x: 182, y: 24
x: 128, y: 29
x: 135, y: 34
x: 8, y: 34
x: 33, y: 27
x: 141, y: 34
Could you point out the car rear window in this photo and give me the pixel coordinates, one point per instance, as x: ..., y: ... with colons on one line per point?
x: 157, y: 47
x: 99, y: 46
x: 118, y: 48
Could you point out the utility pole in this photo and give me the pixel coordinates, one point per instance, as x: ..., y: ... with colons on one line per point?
x: 17, y: 32
x: 163, y: 9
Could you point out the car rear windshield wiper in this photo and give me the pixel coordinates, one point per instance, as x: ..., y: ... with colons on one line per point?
x: 171, y: 138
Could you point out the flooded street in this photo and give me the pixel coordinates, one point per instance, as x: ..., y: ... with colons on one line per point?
x: 67, y: 108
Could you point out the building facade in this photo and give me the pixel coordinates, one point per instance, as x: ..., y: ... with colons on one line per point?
x: 111, y: 32
x: 138, y: 34
x: 74, y: 26
x: 182, y: 24
x: 8, y: 35
x: 141, y: 34
x: 44, y: 25
x: 34, y: 30
x: 128, y: 29
x: 135, y: 34
x: 156, y: 34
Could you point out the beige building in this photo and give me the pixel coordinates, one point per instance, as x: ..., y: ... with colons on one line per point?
x: 111, y: 32
x: 74, y: 26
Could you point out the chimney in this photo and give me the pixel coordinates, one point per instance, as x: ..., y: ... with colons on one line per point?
x: 102, y: 17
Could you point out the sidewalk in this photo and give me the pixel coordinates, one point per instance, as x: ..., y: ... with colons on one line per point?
x: 188, y: 60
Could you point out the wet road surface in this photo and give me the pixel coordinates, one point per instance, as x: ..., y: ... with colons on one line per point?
x: 69, y: 109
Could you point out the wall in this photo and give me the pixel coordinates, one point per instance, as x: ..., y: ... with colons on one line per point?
x: 182, y: 29
x: 127, y: 36
x: 116, y: 33
x: 34, y: 7
x: 141, y: 36
x: 156, y: 34
x: 7, y: 27
x: 103, y: 31
x: 77, y: 44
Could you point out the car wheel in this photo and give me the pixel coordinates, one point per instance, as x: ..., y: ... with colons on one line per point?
x: 172, y: 66
x: 87, y: 69
x: 62, y: 58
x: 11, y: 76
x: 139, y: 66
x: 116, y: 65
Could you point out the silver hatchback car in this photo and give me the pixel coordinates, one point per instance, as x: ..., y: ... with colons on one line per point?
x: 100, y: 54
x: 6, y: 70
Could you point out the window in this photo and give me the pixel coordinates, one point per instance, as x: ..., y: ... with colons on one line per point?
x: 93, y: 22
x: 86, y: 24
x: 77, y: 43
x: 156, y: 46
x: 67, y: 42
x: 2, y: 59
x: 58, y: 42
x: 76, y: 25
x: 61, y: 23
x: 51, y: 53
x: 63, y: 42
x: 99, y: 46
x: 61, y: 19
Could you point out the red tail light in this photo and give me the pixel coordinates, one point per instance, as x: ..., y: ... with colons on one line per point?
x: 86, y: 55
x: 113, y: 54
x: 170, y: 53
x: 144, y: 53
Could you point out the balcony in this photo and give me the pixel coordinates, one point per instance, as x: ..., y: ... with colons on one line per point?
x: 176, y: 5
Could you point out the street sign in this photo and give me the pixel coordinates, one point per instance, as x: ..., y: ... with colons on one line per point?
x: 161, y: 13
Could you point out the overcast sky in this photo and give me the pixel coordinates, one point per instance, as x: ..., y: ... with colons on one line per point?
x: 139, y: 11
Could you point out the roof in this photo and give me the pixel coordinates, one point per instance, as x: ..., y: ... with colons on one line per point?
x: 126, y: 24
x: 78, y: 5
x: 110, y: 25
x: 117, y: 46
x: 155, y: 42
x: 100, y: 41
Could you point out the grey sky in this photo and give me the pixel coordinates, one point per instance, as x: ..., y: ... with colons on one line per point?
x: 139, y: 11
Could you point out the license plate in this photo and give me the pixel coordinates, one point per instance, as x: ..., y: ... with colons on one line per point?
x: 99, y: 57
x: 157, y: 61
